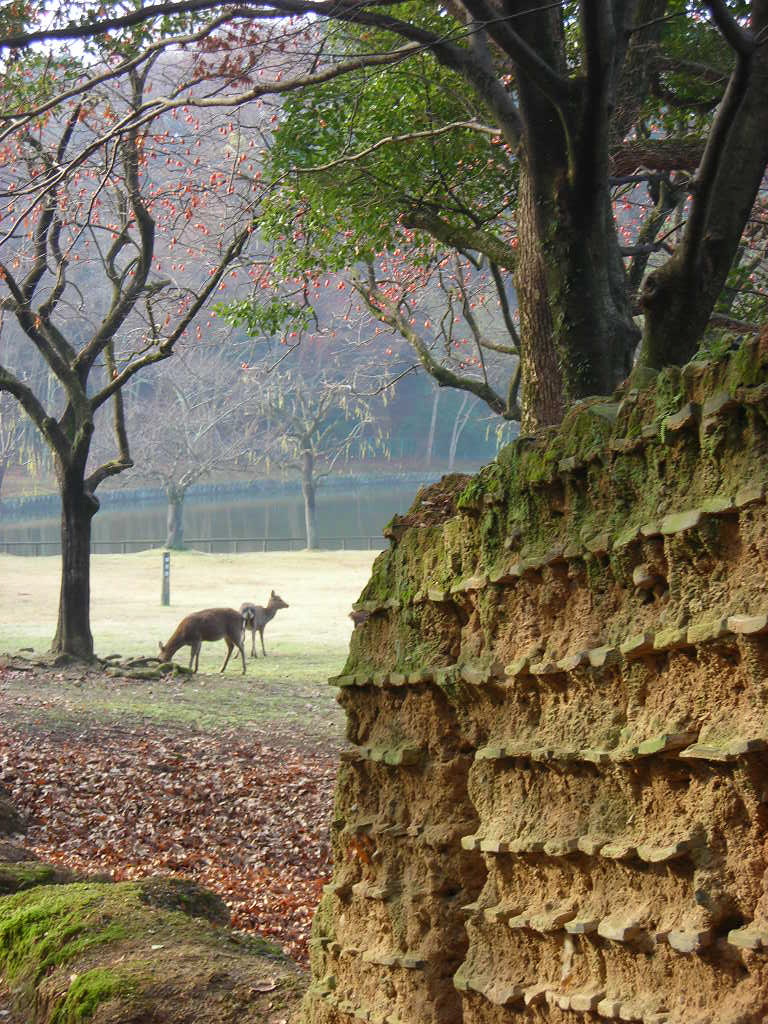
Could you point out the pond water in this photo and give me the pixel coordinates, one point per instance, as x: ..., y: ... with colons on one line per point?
x: 351, y: 518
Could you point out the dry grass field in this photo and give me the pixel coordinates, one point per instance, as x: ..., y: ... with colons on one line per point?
x: 306, y: 642
x: 127, y: 617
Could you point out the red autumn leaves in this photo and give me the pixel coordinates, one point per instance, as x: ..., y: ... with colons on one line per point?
x: 245, y: 814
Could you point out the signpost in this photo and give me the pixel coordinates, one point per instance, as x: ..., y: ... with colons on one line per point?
x: 166, y: 593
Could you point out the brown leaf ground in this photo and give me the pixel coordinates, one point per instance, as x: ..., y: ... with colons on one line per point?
x: 242, y: 810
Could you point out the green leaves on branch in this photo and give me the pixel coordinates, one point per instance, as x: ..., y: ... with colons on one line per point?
x: 358, y: 155
x: 265, y: 319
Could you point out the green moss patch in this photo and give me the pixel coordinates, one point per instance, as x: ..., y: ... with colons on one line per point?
x: 137, y: 951
x: 90, y: 990
x: 609, y: 469
x: 14, y: 877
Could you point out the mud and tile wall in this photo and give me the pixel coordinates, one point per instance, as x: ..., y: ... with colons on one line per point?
x: 554, y: 802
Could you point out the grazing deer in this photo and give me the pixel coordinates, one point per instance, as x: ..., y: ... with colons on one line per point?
x: 255, y: 617
x: 212, y: 624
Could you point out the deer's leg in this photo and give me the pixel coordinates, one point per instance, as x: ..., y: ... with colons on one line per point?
x: 253, y: 641
x: 229, y: 651
x: 261, y: 634
x: 241, y: 648
x: 194, y: 655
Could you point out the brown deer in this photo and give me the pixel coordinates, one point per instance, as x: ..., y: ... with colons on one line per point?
x: 255, y: 617
x: 212, y: 624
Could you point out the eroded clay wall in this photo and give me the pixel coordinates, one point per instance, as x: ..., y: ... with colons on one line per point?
x: 553, y: 806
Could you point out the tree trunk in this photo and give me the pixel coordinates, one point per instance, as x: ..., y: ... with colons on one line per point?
x: 460, y: 422
x: 174, y: 533
x: 678, y: 298
x: 308, y: 488
x: 574, y: 301
x: 432, y: 428
x: 73, y: 632
x: 595, y: 333
x: 541, y: 382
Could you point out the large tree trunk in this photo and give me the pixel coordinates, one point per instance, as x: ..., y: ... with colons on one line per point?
x: 678, y: 298
x: 573, y: 291
x: 541, y: 382
x: 174, y: 532
x: 594, y: 333
x: 73, y: 632
x: 308, y: 489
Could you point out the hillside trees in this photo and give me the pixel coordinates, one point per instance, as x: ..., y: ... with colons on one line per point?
x: 311, y: 408
x: 12, y: 432
x: 194, y: 421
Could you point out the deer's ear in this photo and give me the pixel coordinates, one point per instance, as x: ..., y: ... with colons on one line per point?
x: 160, y: 644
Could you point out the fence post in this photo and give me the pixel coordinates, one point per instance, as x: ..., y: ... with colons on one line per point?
x: 166, y: 591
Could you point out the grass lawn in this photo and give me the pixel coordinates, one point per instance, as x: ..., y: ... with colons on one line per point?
x: 305, y: 643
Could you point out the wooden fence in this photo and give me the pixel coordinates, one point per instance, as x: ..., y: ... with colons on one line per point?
x: 218, y: 545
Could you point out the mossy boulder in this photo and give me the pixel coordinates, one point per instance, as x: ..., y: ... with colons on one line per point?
x: 17, y: 872
x: 141, y: 951
x: 10, y: 819
x: 181, y: 894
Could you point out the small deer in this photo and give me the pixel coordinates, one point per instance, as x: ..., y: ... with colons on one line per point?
x: 255, y: 617
x: 212, y: 624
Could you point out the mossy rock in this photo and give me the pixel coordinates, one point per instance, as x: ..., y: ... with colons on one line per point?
x: 17, y: 875
x: 10, y: 819
x: 144, y: 951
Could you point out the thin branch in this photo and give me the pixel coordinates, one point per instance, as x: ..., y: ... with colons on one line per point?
x: 461, y: 236
x: 387, y: 311
x: 557, y: 87
x: 165, y: 348
x: 18, y: 118
x: 101, y: 26
x: 389, y: 140
x: 506, y: 313
x: 149, y: 110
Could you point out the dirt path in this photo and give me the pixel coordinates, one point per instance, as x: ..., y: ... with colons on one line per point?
x: 240, y: 807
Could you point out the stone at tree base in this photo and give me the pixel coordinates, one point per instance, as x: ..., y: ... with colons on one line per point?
x: 11, y: 822
x: 619, y: 758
